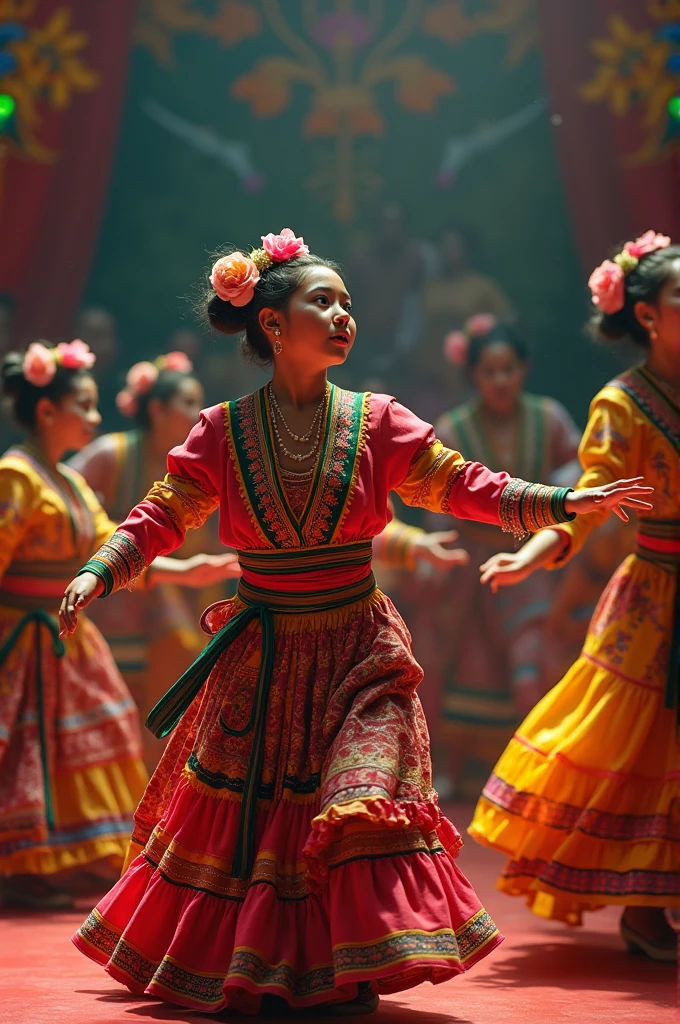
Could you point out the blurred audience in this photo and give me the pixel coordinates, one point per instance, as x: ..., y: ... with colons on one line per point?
x: 449, y: 298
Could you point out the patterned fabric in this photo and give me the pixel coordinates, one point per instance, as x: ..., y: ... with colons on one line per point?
x: 70, y: 773
x: 308, y: 740
x: 584, y: 799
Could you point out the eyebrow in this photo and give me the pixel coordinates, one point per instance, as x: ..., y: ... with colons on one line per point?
x: 325, y: 288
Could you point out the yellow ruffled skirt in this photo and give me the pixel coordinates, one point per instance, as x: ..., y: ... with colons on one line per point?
x: 585, y: 800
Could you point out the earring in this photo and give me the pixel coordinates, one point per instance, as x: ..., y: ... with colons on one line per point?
x: 278, y: 347
x: 653, y: 335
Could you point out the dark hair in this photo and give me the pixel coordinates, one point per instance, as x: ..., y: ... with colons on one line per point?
x: 643, y: 284
x: 165, y: 388
x: 503, y: 332
x: 274, y: 291
x: 25, y: 396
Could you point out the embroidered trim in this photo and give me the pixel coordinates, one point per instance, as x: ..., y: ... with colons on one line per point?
x: 526, y: 508
x: 656, y: 405
x: 121, y: 561
x: 446, y: 500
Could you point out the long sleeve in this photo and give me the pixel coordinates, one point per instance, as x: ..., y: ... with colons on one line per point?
x: 608, y: 452
x: 158, y: 524
x: 425, y: 473
x: 18, y: 497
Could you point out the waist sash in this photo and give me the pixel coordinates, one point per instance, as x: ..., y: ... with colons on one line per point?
x: 307, y: 580
x: 658, y: 541
x: 36, y: 585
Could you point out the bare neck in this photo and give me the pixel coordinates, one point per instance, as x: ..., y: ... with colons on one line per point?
x: 298, y: 390
x: 49, y: 449
x: 664, y: 365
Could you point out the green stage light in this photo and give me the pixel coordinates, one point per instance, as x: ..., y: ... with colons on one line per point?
x: 7, y: 106
x: 674, y: 107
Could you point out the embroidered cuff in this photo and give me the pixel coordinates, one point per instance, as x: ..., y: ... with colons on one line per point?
x: 118, y: 563
x: 526, y: 508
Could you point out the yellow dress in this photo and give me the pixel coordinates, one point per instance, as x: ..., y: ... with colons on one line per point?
x: 71, y: 773
x: 585, y: 799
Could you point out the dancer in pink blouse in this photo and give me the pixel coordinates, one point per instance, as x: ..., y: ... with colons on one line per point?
x: 289, y: 845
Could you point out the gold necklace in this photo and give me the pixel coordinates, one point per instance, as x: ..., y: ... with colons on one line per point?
x: 301, y: 438
x: 294, y: 455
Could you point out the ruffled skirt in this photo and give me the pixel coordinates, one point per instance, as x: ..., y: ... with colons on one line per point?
x: 354, y: 876
x: 584, y: 801
x: 71, y: 772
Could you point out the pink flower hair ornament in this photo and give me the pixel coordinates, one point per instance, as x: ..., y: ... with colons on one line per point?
x: 40, y: 362
x: 234, y: 277
x: 457, y: 343
x: 141, y: 377
x: 607, y: 282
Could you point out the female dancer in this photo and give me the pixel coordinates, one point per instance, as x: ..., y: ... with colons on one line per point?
x: 584, y: 800
x: 70, y: 768
x: 490, y: 648
x: 290, y: 843
x: 153, y: 636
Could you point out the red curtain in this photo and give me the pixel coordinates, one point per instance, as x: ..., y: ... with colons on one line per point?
x: 50, y: 212
x: 610, y: 199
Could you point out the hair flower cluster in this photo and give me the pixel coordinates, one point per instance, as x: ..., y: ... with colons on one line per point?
x: 40, y: 362
x: 141, y: 377
x: 234, y: 277
x: 607, y: 282
x: 457, y: 343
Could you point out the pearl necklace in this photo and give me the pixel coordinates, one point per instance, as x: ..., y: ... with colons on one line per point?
x: 300, y: 438
x: 273, y: 406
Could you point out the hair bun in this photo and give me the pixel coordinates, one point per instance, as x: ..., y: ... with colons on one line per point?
x: 12, y: 373
x: 225, y: 318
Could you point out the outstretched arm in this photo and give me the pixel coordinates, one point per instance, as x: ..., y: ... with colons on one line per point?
x: 156, y: 526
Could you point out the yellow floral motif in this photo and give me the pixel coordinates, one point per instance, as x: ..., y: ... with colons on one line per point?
x: 46, y: 69
x: 632, y: 74
x: 453, y: 21
x: 159, y: 20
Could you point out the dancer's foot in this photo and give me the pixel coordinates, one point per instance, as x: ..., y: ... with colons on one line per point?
x: 366, y: 1002
x: 646, y: 930
x: 33, y: 892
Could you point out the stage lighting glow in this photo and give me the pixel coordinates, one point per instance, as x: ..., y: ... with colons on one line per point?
x: 7, y: 107
x: 674, y: 107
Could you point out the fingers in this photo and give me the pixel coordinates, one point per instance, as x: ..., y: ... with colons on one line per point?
x: 449, y: 556
x: 444, y: 536
x: 618, y: 511
x: 495, y: 560
x: 68, y: 612
x: 635, y: 503
x: 499, y: 571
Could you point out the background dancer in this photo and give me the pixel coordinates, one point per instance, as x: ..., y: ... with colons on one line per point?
x: 584, y: 799
x: 70, y: 752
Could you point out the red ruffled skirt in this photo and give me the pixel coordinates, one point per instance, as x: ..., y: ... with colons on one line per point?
x: 353, y: 877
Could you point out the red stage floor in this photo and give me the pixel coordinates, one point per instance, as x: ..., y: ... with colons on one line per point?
x: 542, y: 974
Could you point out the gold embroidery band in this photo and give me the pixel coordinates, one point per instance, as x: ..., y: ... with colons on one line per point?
x: 526, y: 508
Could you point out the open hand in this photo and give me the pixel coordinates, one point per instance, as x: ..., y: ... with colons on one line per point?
x: 430, y: 547
x: 78, y: 595
x: 506, y: 569
x: 613, y: 496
